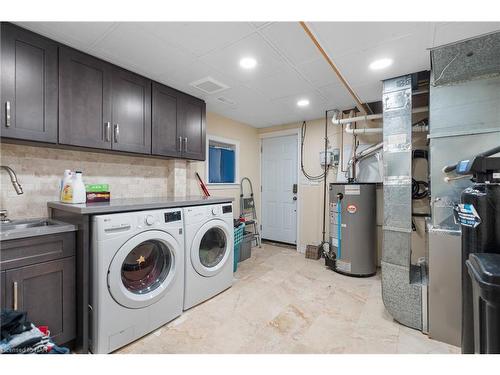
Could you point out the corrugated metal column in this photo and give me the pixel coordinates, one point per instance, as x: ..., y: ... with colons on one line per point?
x: 401, y: 284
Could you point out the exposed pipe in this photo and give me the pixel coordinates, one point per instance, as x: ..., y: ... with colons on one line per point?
x: 359, y: 104
x: 376, y: 116
x: 349, y: 130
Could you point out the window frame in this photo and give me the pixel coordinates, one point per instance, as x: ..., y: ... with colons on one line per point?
x: 230, y: 142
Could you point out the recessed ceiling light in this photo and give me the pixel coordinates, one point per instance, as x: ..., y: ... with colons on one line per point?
x: 248, y: 63
x: 303, y: 103
x: 380, y: 64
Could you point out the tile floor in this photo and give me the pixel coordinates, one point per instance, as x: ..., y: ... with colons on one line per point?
x: 283, y: 303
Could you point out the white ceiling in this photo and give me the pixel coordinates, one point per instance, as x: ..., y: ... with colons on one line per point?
x: 289, y: 66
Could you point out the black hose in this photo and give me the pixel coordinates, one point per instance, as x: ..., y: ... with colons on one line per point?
x: 310, y: 177
x: 492, y: 151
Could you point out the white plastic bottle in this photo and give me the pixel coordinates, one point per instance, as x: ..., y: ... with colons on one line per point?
x: 66, y: 194
x: 79, y: 195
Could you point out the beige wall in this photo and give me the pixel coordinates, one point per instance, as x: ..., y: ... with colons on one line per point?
x: 249, y: 155
x: 40, y: 169
x: 311, y: 194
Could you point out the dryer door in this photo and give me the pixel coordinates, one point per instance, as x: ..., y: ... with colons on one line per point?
x: 144, y: 269
x: 211, y: 248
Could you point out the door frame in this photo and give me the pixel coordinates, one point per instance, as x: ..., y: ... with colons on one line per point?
x: 277, y: 134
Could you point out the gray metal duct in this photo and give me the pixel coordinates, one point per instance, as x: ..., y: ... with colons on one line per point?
x: 401, y: 282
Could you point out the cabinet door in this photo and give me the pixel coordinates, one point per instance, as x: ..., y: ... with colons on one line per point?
x: 192, y: 128
x: 166, y: 140
x: 29, y: 85
x: 84, y: 100
x: 46, y: 291
x: 2, y: 290
x: 131, y: 112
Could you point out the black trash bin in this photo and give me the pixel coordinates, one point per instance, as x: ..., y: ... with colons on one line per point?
x: 484, y: 271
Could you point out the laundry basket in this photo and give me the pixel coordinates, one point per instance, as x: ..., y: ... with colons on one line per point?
x: 238, y: 237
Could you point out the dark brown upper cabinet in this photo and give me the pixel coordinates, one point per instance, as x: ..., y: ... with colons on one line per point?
x: 29, y: 85
x: 53, y: 93
x: 178, y: 125
x: 192, y: 127
x: 131, y: 112
x: 84, y: 100
x: 166, y: 139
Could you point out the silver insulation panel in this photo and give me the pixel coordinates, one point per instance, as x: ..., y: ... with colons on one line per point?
x: 466, y: 60
x: 464, y: 121
x: 401, y: 283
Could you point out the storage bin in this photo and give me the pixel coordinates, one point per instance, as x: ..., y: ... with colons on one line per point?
x: 246, y: 246
x: 238, y: 237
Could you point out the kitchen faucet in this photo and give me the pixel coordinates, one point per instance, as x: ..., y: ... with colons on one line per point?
x: 17, y: 187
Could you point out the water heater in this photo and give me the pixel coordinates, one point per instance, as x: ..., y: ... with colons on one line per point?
x: 353, y: 229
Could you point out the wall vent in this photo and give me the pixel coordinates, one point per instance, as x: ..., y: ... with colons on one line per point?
x: 209, y: 85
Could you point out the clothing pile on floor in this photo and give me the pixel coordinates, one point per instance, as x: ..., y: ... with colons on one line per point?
x: 19, y: 336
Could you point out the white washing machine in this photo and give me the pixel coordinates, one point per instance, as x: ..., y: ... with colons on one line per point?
x: 137, y: 275
x: 209, y: 237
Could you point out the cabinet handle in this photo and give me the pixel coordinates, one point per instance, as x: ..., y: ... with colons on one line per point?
x: 185, y: 144
x: 15, y: 304
x: 117, y: 132
x: 180, y: 144
x: 7, y: 114
x: 108, y: 132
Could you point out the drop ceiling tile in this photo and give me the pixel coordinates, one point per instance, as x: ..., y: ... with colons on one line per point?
x: 291, y: 40
x: 182, y: 77
x: 340, y: 38
x: 336, y: 96
x: 450, y: 32
x: 410, y: 55
x: 284, y: 82
x: 316, y: 108
x: 371, y: 92
x: 227, y: 59
x: 318, y: 72
x: 198, y: 38
x: 259, y: 25
x: 81, y: 34
x: 130, y: 46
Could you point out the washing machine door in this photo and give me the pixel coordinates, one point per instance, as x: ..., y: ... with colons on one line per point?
x: 144, y: 269
x: 211, y: 247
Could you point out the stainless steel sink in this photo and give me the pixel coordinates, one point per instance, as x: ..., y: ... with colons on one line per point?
x: 32, y: 227
x: 23, y: 224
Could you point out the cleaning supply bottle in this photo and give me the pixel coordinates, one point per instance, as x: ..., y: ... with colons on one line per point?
x: 67, y: 174
x: 66, y: 195
x: 79, y: 195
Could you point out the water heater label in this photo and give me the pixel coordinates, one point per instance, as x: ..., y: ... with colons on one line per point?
x: 466, y: 215
x: 352, y: 190
x: 351, y: 208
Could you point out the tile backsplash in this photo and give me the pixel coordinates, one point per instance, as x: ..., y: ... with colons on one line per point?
x: 39, y: 171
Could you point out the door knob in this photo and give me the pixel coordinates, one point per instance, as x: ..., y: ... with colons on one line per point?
x: 294, y: 198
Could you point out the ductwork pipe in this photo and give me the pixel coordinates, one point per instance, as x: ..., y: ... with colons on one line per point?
x: 349, y: 130
x: 377, y: 116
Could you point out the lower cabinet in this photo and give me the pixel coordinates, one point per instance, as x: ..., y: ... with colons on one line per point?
x: 2, y: 289
x: 45, y: 290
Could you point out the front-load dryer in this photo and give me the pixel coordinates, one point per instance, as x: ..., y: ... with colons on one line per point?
x: 209, y: 237
x: 137, y: 275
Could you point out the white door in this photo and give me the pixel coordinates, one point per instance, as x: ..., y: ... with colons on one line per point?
x: 279, y: 189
